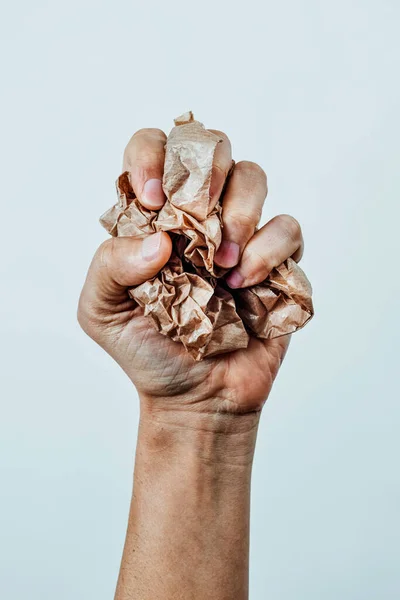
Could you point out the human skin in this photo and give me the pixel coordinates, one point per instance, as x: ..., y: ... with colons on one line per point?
x: 188, y: 529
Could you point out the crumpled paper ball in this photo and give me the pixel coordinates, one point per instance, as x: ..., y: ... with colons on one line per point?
x: 188, y: 300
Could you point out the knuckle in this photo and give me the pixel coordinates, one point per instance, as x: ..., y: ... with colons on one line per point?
x: 107, y: 258
x: 243, y: 220
x: 291, y: 227
x: 219, y: 172
x: 251, y: 168
x: 152, y: 132
x: 139, y: 141
x: 128, y: 151
x: 105, y: 252
x: 257, y: 265
x: 220, y: 134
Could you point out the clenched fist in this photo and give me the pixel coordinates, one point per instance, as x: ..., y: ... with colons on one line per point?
x: 168, y: 380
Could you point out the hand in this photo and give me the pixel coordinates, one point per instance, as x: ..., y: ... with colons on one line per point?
x: 166, y: 377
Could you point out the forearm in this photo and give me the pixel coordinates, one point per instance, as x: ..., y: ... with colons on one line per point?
x: 188, y: 531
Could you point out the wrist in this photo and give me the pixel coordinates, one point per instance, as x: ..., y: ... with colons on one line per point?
x: 212, y: 437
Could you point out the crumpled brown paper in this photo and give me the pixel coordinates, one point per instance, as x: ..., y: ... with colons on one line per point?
x: 188, y: 299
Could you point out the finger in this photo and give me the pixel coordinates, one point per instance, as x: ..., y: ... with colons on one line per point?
x: 121, y: 263
x: 278, y: 240
x: 222, y: 164
x: 241, y: 211
x: 144, y: 160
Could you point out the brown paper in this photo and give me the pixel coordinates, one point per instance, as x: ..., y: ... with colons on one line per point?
x: 188, y: 300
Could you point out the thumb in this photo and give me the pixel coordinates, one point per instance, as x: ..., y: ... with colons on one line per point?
x: 124, y: 262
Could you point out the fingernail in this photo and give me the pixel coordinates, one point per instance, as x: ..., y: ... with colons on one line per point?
x: 151, y: 246
x: 228, y: 254
x: 153, y: 195
x: 235, y: 279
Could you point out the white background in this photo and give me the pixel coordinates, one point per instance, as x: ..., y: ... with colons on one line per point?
x: 310, y: 90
